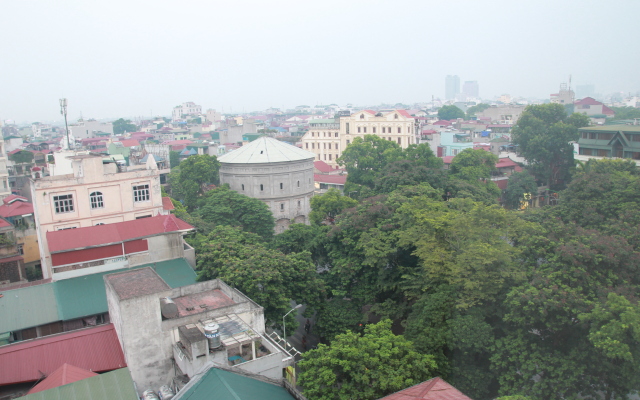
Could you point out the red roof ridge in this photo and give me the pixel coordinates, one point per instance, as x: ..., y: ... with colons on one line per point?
x: 64, y: 375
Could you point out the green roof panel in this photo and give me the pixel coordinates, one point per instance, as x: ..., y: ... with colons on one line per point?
x: 114, y: 385
x: 90, y: 288
x: 27, y: 307
x: 217, y: 384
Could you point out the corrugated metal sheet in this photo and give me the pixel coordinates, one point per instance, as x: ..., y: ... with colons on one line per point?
x: 136, y: 246
x: 64, y: 375
x: 217, y: 384
x: 94, y: 349
x: 114, y: 385
x: 100, y: 235
x: 433, y: 389
x: 90, y: 288
x: 27, y: 307
x: 94, y: 253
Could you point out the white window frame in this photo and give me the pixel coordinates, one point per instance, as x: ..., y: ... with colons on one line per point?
x: 96, y: 200
x: 63, y: 204
x: 141, y: 193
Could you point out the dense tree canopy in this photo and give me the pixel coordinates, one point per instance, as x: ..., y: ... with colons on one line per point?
x: 269, y: 277
x: 448, y: 113
x: 122, y: 125
x: 326, y: 206
x: 520, y: 183
x: 471, y: 111
x: 223, y: 206
x: 364, y: 367
x: 543, y: 134
x: 189, y: 180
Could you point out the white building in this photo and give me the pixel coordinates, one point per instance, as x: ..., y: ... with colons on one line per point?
x: 89, y: 128
x: 185, y: 110
x: 279, y: 174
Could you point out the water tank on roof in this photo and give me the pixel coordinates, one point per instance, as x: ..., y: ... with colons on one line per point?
x: 166, y: 393
x: 168, y: 307
x: 212, y: 332
x: 149, y: 395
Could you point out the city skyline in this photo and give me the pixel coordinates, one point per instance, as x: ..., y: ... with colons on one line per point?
x: 125, y: 58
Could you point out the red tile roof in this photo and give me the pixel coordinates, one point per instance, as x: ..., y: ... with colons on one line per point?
x: 94, y: 349
x: 404, y: 113
x: 506, y: 162
x: 65, y: 374
x: 607, y: 111
x: 101, y: 235
x: 433, y: 389
x: 167, y: 204
x: 4, y: 224
x: 129, y: 142
x: 588, y: 101
x: 15, y: 206
x: 322, y: 166
x: 442, y: 123
x: 334, y: 179
x: 447, y: 159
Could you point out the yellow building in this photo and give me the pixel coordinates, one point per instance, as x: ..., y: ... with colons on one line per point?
x: 327, y: 138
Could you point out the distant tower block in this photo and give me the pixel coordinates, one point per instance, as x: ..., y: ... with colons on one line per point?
x: 279, y: 174
x: 471, y: 89
x: 451, y: 86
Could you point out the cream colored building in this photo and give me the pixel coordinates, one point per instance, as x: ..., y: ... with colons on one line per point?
x: 323, y: 140
x: 96, y: 193
x: 327, y: 139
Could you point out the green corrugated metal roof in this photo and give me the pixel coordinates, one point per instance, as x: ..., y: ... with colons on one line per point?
x: 114, y: 385
x: 176, y: 272
x: 615, y: 128
x: 90, y: 288
x: 27, y: 307
x: 217, y: 384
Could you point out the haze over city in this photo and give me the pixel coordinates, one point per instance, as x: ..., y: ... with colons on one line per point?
x: 128, y: 58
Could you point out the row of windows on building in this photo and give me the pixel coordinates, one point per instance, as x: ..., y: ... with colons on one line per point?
x: 363, y: 129
x: 607, y: 136
x: 313, y: 145
x: 324, y: 134
x: 325, y: 157
x: 64, y: 203
x: 610, y: 153
x: 281, y: 185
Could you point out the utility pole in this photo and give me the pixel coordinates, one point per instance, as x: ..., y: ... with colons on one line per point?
x: 63, y: 111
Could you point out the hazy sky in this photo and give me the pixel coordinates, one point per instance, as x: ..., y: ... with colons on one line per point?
x: 114, y: 58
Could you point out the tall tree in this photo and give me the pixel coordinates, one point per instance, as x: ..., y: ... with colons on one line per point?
x: 122, y: 125
x: 326, y: 206
x: 269, y: 277
x: 363, y: 367
x: 223, y: 206
x: 448, y: 113
x: 544, y: 134
x: 194, y: 173
x: 519, y: 184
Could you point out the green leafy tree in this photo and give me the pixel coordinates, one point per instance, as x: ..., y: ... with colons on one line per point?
x: 337, y: 316
x: 363, y: 367
x: 568, y: 335
x: 22, y: 157
x: 326, y: 206
x: 223, y: 206
x: 543, y: 134
x: 471, y: 111
x: 364, y: 159
x: 174, y: 159
x: 448, y: 113
x: 122, y: 125
x: 269, y: 277
x: 473, y: 164
x: 519, y: 184
x: 626, y: 112
x: 191, y: 177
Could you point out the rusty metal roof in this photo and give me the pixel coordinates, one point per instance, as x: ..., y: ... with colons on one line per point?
x: 94, y: 349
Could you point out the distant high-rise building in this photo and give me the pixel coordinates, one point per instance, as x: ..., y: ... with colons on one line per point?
x: 583, y: 91
x: 451, y: 86
x: 471, y: 89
